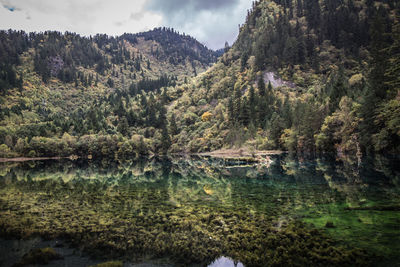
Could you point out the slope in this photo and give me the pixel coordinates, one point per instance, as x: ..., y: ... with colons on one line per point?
x: 304, y: 76
x: 54, y: 85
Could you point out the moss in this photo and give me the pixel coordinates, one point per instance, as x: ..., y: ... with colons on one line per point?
x: 39, y: 256
x: 109, y: 264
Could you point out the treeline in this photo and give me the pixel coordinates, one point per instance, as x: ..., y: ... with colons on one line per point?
x: 12, y: 44
x: 88, y: 146
x: 177, y: 47
x: 61, y: 54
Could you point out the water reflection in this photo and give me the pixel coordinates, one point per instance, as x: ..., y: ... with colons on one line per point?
x: 359, y: 201
x: 225, y: 262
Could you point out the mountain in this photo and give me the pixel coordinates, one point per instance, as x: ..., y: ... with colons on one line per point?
x: 308, y: 77
x: 54, y: 85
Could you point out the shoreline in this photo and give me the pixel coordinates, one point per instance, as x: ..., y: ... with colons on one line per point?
x: 241, y: 153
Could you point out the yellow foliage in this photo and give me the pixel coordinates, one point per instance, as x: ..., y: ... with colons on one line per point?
x: 206, y: 116
x: 356, y: 79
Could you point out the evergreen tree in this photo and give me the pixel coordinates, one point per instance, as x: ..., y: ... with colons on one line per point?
x: 237, y: 102
x: 269, y: 90
x: 261, y: 86
x: 123, y: 126
x: 252, y: 105
x: 379, y: 59
x: 231, y: 110
x: 173, y: 128
x: 244, y: 113
x: 337, y: 89
x: 299, y: 8
x: 165, y: 140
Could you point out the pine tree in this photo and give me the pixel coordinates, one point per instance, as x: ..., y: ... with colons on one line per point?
x: 165, y: 140
x: 269, y: 90
x: 379, y: 59
x: 123, y: 126
x: 252, y: 105
x: 299, y: 8
x: 237, y: 101
x: 173, y: 128
x: 261, y: 86
x: 231, y: 110
x: 244, y: 114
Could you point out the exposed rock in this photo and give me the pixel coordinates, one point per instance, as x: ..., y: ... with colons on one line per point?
x: 276, y: 81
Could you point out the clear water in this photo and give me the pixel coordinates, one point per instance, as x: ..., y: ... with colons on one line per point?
x: 152, y: 209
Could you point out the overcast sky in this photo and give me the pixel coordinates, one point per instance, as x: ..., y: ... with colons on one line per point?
x: 212, y: 22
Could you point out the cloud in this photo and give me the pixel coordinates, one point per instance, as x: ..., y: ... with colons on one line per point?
x: 210, y: 21
x: 173, y: 6
x: 10, y: 7
x: 136, y: 16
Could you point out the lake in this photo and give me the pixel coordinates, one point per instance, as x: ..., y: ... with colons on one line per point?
x: 200, y: 211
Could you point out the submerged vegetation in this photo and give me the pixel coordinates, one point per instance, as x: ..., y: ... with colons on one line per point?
x: 38, y: 256
x: 195, y: 210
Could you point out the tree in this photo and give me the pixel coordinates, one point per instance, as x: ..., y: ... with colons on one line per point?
x: 252, y: 105
x: 299, y: 8
x: 206, y: 116
x: 123, y: 126
x: 237, y: 100
x: 387, y: 120
x: 226, y: 47
x: 339, y: 131
x: 337, y: 89
x: 261, y: 86
x: 392, y: 74
x: 379, y: 59
x: 165, y: 140
x: 110, y: 83
x: 269, y: 87
x: 244, y: 114
x: 173, y: 128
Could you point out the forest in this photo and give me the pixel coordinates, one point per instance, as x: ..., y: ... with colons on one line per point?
x: 158, y: 92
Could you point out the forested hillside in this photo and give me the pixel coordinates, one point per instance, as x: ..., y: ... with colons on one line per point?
x: 304, y: 76
x: 310, y: 77
x: 64, y: 94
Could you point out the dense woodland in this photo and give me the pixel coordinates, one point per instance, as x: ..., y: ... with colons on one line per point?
x: 340, y: 61
x: 137, y: 94
x: 64, y: 94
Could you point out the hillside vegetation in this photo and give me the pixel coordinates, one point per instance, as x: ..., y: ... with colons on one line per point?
x: 64, y: 94
x: 310, y: 77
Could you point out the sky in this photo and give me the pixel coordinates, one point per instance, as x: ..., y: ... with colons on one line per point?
x: 212, y: 22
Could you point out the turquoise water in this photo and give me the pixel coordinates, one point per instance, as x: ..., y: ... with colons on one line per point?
x: 197, y: 210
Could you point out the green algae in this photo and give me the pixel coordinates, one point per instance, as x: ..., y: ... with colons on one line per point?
x: 193, y: 212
